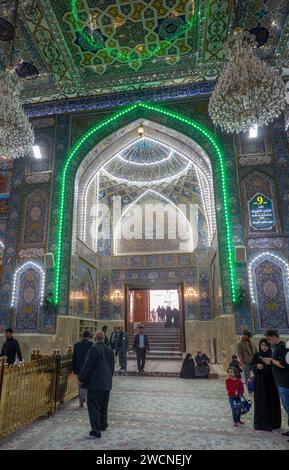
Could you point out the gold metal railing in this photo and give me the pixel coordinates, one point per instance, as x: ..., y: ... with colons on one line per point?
x: 34, y: 389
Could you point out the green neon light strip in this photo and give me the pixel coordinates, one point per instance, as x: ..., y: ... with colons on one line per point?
x: 124, y: 55
x: 224, y: 187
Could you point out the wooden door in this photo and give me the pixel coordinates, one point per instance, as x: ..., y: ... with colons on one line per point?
x: 141, y: 306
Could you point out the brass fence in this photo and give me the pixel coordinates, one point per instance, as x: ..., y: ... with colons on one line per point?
x: 34, y: 389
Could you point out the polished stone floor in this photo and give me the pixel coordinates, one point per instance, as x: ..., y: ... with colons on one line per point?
x: 151, y: 413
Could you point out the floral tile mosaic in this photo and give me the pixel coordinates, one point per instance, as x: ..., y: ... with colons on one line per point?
x: 151, y: 413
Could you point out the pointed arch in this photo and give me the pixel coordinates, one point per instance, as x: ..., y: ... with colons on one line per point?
x: 174, y: 120
x: 142, y: 196
x: 17, y: 275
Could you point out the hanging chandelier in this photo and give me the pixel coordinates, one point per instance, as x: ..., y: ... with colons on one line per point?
x: 249, y: 92
x: 16, y: 134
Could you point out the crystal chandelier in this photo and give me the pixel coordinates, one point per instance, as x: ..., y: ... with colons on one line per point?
x: 249, y: 92
x: 16, y: 134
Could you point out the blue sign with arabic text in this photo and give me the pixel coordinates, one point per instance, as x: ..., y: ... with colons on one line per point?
x: 261, y: 212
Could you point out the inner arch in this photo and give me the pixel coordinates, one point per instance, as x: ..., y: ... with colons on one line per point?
x: 112, y: 148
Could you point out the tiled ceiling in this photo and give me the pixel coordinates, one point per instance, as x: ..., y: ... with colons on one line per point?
x: 89, y: 47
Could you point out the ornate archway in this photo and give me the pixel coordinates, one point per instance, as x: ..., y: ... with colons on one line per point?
x: 204, y: 138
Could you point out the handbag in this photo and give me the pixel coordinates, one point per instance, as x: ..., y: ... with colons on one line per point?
x: 245, y: 406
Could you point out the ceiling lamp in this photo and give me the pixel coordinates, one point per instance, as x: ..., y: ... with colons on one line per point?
x: 249, y: 92
x: 16, y: 134
x: 140, y: 131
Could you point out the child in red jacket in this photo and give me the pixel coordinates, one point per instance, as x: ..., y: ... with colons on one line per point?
x: 235, y: 390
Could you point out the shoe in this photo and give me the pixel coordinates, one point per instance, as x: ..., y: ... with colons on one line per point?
x: 241, y: 422
x: 121, y: 368
x: 94, y: 435
x: 104, y: 428
x: 236, y: 425
x: 285, y: 433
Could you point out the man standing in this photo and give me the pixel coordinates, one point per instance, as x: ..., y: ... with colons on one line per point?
x: 159, y: 314
x: 169, y: 317
x: 246, y: 351
x: 104, y: 330
x: 96, y: 376
x: 80, y: 351
x: 141, y: 346
x: 280, y: 368
x: 11, y: 348
x: 176, y: 316
x: 122, y: 347
x: 112, y: 339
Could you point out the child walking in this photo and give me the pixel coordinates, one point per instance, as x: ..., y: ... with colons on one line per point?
x: 235, y: 390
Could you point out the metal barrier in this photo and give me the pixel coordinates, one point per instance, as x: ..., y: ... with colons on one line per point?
x: 33, y: 389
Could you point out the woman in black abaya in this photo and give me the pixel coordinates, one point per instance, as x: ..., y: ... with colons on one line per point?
x: 188, y: 368
x: 267, y: 409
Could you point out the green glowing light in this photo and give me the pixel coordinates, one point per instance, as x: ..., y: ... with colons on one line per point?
x: 141, y: 52
x: 217, y: 150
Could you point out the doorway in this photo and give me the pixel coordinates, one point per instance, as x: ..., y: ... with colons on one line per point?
x: 151, y: 305
x: 159, y: 309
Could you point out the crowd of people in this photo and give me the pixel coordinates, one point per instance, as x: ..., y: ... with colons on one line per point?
x: 167, y: 315
x: 268, y: 368
x: 94, y: 364
x: 197, y: 367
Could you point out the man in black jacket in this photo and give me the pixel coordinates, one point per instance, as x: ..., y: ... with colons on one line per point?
x: 80, y: 351
x: 11, y: 348
x: 104, y: 330
x: 141, y: 346
x: 96, y: 376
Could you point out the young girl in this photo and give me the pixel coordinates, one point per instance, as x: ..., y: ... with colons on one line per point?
x: 235, y: 390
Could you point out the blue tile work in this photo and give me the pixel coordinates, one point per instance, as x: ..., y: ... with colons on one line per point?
x: 281, y: 153
x: 61, y: 150
x: 11, y: 240
x: 243, y: 319
x: 83, y: 289
x: 205, y: 301
x: 188, y: 276
x: 104, y: 304
x: 271, y: 286
x: 119, y: 99
x: 28, y: 308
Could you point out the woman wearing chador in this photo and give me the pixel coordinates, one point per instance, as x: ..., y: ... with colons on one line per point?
x: 188, y: 368
x: 267, y: 410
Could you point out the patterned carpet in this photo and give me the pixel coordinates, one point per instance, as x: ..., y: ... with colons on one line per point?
x: 151, y: 413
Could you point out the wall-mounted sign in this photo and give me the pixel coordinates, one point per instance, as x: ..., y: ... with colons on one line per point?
x: 261, y: 212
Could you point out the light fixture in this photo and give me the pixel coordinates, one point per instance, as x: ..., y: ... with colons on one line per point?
x: 16, y: 133
x: 253, y: 132
x: 140, y: 131
x: 190, y: 292
x: 37, y: 152
x: 249, y: 92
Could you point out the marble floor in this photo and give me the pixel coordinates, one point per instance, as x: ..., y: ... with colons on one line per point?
x: 151, y: 413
